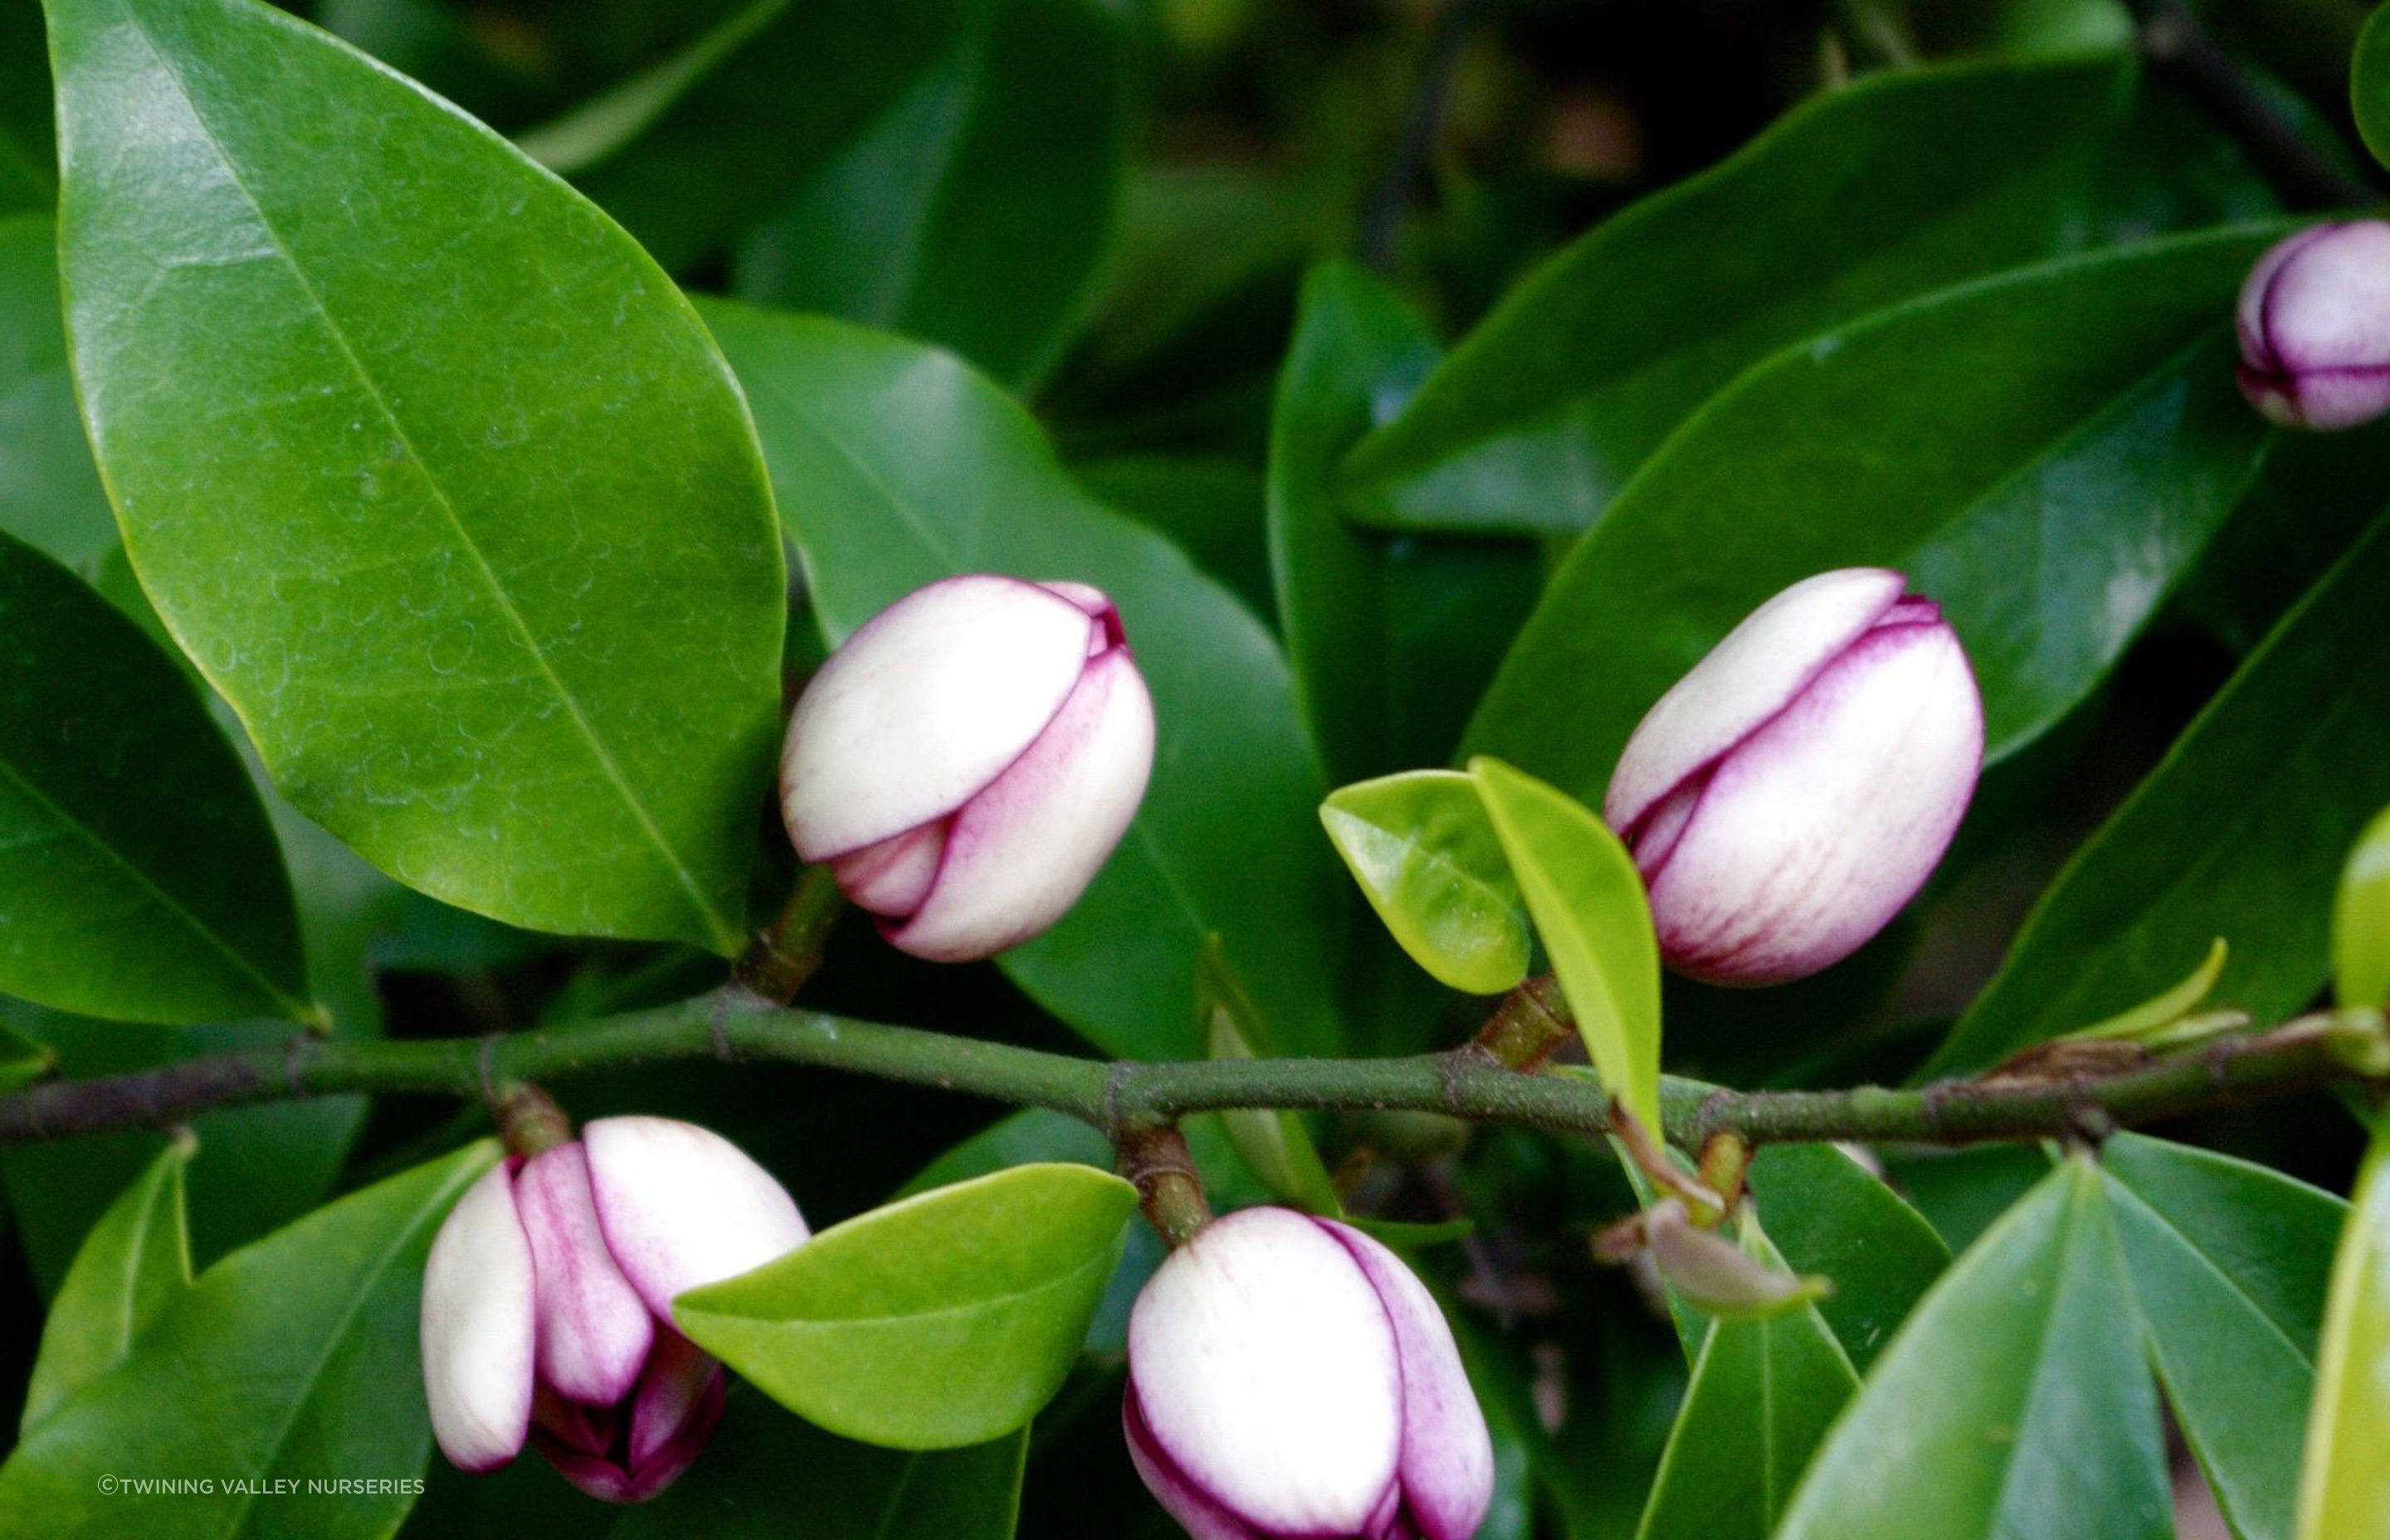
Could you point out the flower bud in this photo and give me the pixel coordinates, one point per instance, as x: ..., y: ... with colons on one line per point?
x: 548, y: 1302
x: 1794, y: 789
x: 969, y: 758
x: 1288, y: 1376
x: 2315, y: 327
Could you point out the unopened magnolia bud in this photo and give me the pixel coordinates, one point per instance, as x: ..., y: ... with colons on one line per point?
x: 548, y: 1302
x: 1290, y: 1376
x: 969, y: 758
x: 2315, y: 327
x: 1794, y: 789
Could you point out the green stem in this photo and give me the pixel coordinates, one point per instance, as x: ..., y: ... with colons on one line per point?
x: 1467, y: 1082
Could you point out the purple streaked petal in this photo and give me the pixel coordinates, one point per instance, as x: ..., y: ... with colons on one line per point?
x: 594, y: 1328
x: 2326, y: 305
x: 1448, y: 1459
x: 1197, y: 1514
x: 1266, y: 1371
x: 2319, y: 399
x: 680, y: 1206
x: 2249, y: 315
x: 1024, y: 849
x: 478, y: 1326
x: 892, y: 878
x: 1745, y: 680
x: 1817, y: 829
x: 671, y: 1403
x: 923, y: 706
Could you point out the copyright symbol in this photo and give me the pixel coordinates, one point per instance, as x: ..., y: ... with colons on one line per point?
x: 107, y: 1485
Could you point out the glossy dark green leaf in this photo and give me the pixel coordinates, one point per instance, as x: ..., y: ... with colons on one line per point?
x: 1358, y: 353
x: 2193, y: 854
x: 293, y: 1360
x: 2361, y: 920
x: 2015, y: 1402
x: 976, y: 210
x: 2345, y: 1471
x: 1832, y: 1217
x: 2369, y: 86
x: 494, y: 579
x: 1763, y: 1394
x: 1391, y: 640
x: 138, y: 876
x: 50, y: 496
x: 1032, y: 1135
x: 1430, y: 864
x: 1908, y: 182
x: 135, y: 1263
x: 2230, y: 1263
x: 1214, y: 507
x: 697, y: 149
x: 28, y: 163
x: 983, y: 1290
x: 2044, y: 454
x: 1587, y: 901
x: 897, y: 467
x: 258, y: 1167
x: 770, y: 1476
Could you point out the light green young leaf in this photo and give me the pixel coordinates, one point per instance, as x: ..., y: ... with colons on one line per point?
x: 2149, y: 1022
x: 279, y: 1364
x: 2228, y: 1263
x: 2361, y: 920
x: 1274, y: 1143
x: 2193, y: 853
x: 897, y: 465
x: 1430, y: 864
x: 1587, y: 901
x: 1865, y: 196
x: 494, y: 579
x: 136, y: 1262
x: 1763, y: 1394
x: 2045, y: 454
x: 2345, y: 1474
x: 770, y: 1476
x: 939, y: 1321
x: 138, y: 876
x: 2015, y: 1401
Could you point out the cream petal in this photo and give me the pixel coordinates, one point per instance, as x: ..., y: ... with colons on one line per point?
x: 478, y: 1326
x: 924, y: 705
x: 682, y: 1207
x: 1266, y: 1372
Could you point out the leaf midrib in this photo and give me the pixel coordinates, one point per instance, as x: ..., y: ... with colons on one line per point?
x: 290, y: 1004
x: 713, y: 919
x: 273, y: 1451
x: 2208, y: 1263
x: 967, y: 1307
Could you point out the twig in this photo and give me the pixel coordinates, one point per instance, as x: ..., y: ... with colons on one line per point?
x: 1467, y: 1082
x: 1381, y: 217
x: 2176, y: 44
